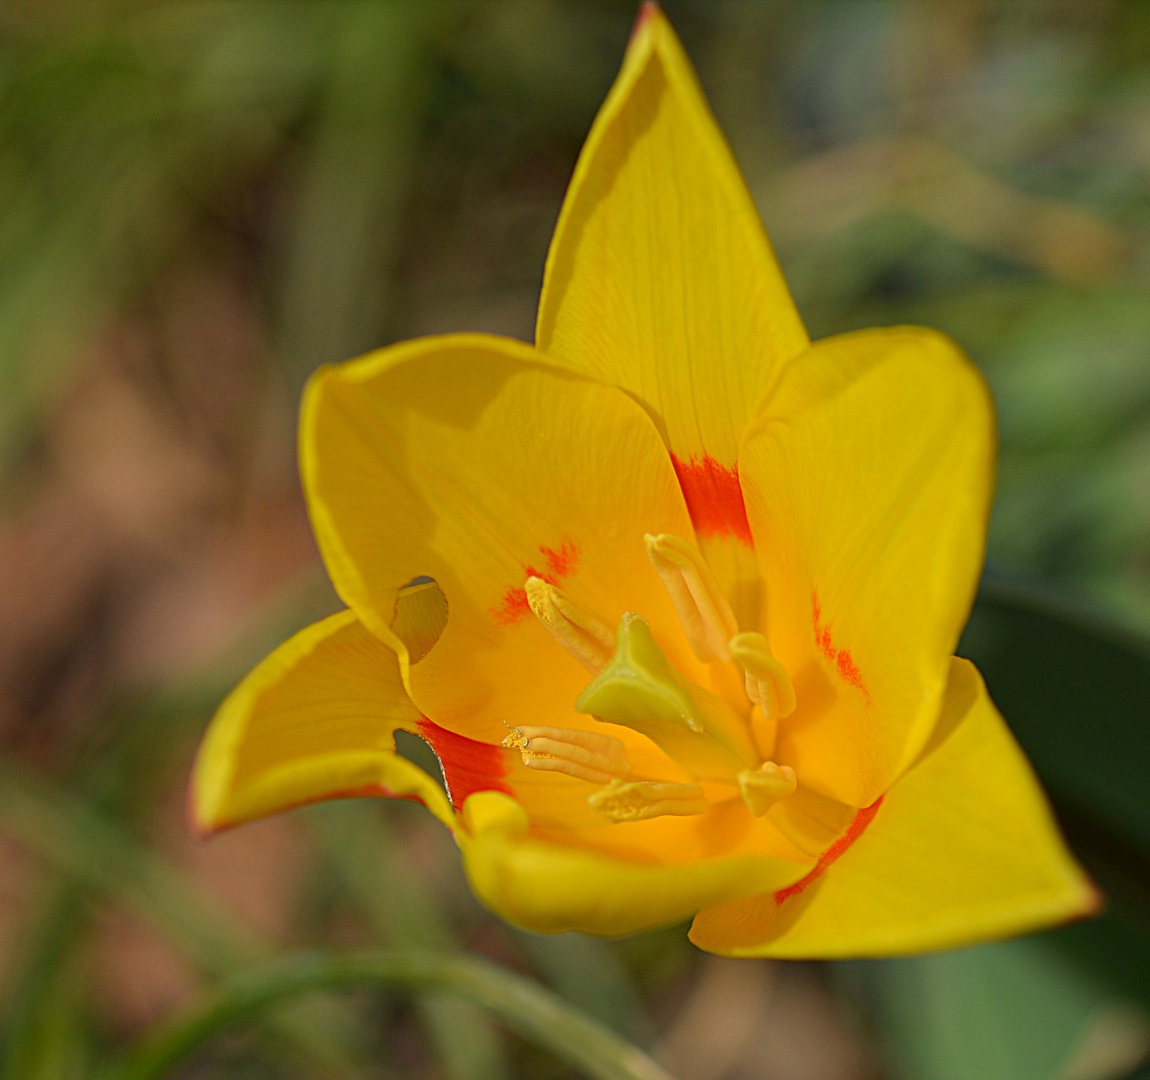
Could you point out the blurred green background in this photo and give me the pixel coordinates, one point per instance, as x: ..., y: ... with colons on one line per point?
x: 202, y: 201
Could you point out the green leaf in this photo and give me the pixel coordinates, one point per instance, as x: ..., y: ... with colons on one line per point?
x: 1076, y: 694
x: 1017, y: 1010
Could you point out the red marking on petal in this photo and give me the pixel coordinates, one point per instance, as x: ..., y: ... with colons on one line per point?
x: 362, y: 791
x: 841, y: 658
x: 468, y: 764
x: 848, y: 671
x: 512, y: 607
x: 714, y: 498
x: 561, y: 563
x: 835, y: 852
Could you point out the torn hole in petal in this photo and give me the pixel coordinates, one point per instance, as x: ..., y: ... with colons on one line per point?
x: 420, y: 616
x: 418, y: 751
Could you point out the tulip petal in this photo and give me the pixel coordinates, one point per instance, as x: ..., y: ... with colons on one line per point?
x: 550, y: 887
x: 660, y: 277
x: 315, y: 720
x: 962, y: 849
x: 477, y: 462
x: 661, y: 280
x: 868, y: 476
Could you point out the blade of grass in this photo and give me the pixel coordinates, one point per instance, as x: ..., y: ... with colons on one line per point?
x: 403, y: 912
x: 41, y: 1035
x: 527, y: 1008
x: 589, y: 974
x: 90, y: 847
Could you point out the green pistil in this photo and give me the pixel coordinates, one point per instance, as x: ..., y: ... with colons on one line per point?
x: 641, y: 689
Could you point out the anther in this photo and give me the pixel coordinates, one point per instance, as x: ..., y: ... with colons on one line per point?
x: 585, y: 635
x: 768, y: 683
x: 702, y: 608
x: 639, y: 800
x: 586, y: 755
x: 766, y: 785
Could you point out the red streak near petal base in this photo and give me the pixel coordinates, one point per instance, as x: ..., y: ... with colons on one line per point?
x: 468, y: 765
x: 841, y: 658
x: 714, y: 498
x: 832, y: 854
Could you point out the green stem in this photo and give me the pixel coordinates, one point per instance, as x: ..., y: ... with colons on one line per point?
x: 524, y: 1006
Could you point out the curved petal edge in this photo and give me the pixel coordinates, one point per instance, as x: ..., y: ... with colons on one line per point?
x: 963, y: 849
x: 550, y: 888
x: 315, y: 720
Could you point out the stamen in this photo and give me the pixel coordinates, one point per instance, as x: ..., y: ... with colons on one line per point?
x: 766, y: 785
x: 764, y: 733
x: 582, y: 633
x: 638, y: 800
x: 768, y: 683
x: 586, y: 755
x: 703, y: 609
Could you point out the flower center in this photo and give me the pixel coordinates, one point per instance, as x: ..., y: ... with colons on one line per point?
x: 641, y: 689
x: 719, y: 744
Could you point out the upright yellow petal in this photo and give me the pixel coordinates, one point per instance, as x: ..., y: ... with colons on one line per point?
x: 962, y: 849
x: 475, y: 461
x: 661, y: 280
x: 868, y: 476
x: 660, y: 277
x: 315, y: 720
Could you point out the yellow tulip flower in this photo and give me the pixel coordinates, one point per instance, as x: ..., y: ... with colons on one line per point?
x: 672, y: 594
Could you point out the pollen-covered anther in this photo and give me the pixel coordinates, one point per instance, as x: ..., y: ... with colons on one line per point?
x: 586, y: 755
x: 638, y: 800
x: 768, y: 683
x: 699, y: 601
x: 584, y: 634
x: 766, y: 785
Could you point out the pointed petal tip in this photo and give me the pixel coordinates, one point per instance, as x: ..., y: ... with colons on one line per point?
x: 648, y: 10
x: 202, y: 832
x: 198, y: 825
x: 1095, y: 901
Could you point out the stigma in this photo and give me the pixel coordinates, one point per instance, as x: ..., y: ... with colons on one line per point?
x: 641, y: 689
